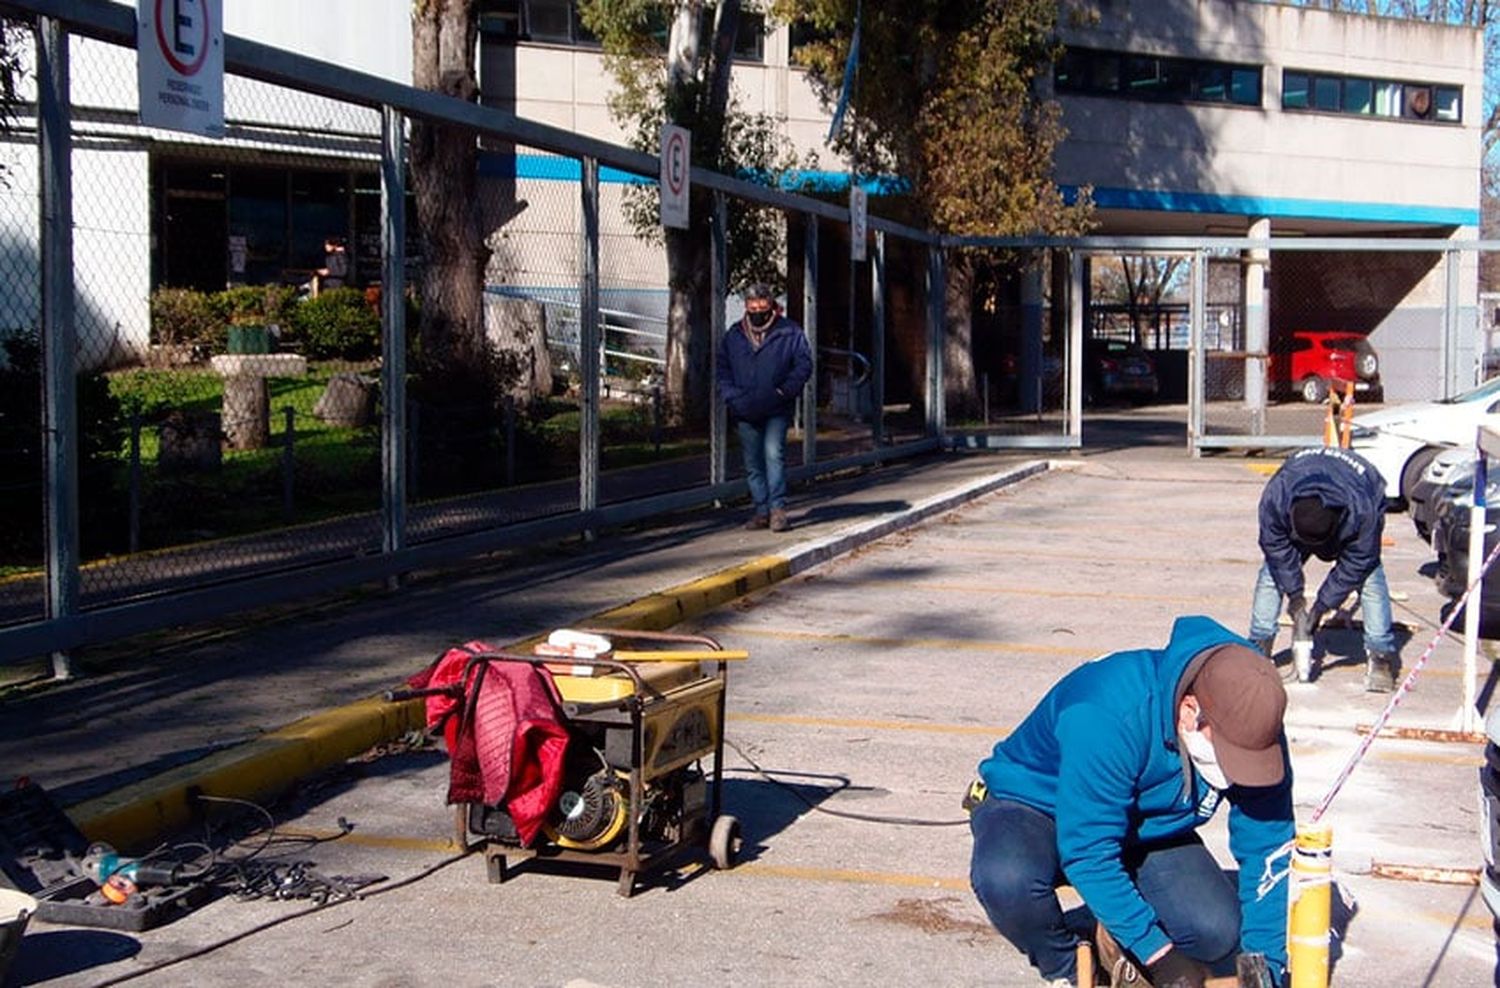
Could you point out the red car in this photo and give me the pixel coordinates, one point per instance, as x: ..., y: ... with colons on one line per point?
x: 1312, y: 359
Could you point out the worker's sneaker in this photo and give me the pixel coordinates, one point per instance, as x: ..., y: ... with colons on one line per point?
x: 778, y: 520
x: 1380, y: 671
x: 757, y: 521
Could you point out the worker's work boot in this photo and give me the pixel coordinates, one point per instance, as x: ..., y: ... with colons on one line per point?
x: 1380, y: 671
x: 1266, y: 646
x: 758, y: 521
x: 1114, y: 963
x: 778, y: 520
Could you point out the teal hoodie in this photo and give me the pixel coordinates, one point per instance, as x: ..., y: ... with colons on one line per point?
x: 1100, y: 755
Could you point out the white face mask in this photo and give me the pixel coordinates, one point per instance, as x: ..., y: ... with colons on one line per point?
x: 1201, y: 750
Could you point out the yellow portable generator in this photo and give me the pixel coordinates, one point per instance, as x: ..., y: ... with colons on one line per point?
x: 643, y: 773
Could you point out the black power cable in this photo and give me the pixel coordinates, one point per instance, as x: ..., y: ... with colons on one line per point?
x: 901, y: 821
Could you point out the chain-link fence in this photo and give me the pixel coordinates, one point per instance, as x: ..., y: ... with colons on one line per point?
x: 377, y: 330
x: 286, y: 364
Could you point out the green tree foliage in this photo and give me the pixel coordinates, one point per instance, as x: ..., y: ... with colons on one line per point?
x: 947, y: 97
x: 652, y: 49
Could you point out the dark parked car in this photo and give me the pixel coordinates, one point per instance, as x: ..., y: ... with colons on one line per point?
x: 1449, y: 475
x: 1489, y: 813
x: 1450, y: 537
x: 1117, y: 369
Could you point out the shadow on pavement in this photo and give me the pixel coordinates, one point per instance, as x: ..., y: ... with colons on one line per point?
x: 59, y: 953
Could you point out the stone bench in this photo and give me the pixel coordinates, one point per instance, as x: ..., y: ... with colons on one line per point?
x: 247, y: 400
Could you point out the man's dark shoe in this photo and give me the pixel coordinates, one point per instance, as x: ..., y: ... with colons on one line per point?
x: 757, y: 521
x: 1380, y: 672
x: 778, y: 520
x: 1266, y: 646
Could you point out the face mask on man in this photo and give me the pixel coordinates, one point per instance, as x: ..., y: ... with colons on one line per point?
x: 1201, y: 750
x: 761, y: 320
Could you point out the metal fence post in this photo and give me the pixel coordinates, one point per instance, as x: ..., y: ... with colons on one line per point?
x: 59, y: 335
x: 1078, y: 263
x: 810, y: 324
x: 289, y: 466
x: 393, y: 427
x: 718, y: 425
x: 589, y: 342
x: 1452, y: 366
x: 877, y: 338
x: 937, y: 306
x: 1197, y: 355
x: 134, y: 506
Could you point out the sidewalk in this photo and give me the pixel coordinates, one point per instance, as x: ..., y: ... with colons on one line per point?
x: 247, y: 707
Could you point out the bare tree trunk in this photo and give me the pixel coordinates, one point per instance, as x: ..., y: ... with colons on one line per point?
x: 960, y: 388
x: 444, y: 171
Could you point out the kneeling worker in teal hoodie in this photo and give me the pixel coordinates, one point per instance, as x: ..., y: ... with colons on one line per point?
x: 1103, y: 786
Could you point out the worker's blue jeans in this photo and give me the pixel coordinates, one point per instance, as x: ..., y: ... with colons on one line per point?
x: 1015, y: 872
x: 1374, y: 602
x: 764, y: 447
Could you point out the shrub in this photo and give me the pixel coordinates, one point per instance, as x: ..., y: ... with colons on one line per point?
x: 254, y: 305
x: 182, y: 316
x: 337, y: 324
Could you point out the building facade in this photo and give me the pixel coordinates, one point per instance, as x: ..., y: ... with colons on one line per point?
x: 1185, y: 117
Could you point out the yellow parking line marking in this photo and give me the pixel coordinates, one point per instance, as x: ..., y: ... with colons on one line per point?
x: 851, y: 876
x: 1264, y: 469
x: 1090, y: 595
x: 949, y: 643
x: 942, y: 547
x: 799, y: 720
x: 999, y: 731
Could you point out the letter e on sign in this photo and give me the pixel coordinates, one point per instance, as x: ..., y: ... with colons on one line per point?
x: 676, y: 169
x: 180, y: 64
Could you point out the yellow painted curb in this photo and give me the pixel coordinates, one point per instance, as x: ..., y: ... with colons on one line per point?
x: 134, y: 816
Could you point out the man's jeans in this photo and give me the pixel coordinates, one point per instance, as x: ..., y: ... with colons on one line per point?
x: 1015, y: 872
x: 1374, y: 601
x: 763, y: 445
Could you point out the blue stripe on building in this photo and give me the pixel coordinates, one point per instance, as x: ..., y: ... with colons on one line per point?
x: 1275, y: 208
x: 556, y: 168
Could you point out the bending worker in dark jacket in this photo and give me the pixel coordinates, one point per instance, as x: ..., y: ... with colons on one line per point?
x: 764, y: 361
x: 1329, y: 503
x: 1103, y: 785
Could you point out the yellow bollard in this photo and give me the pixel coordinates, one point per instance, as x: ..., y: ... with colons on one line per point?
x: 1311, y: 890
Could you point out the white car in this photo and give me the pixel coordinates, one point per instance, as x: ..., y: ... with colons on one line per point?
x: 1401, y: 441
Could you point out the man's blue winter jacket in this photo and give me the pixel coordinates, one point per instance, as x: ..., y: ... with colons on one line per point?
x: 1342, y: 480
x: 1100, y: 755
x: 757, y: 384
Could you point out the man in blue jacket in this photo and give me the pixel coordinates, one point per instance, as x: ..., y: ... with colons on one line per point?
x: 1103, y: 786
x: 1330, y: 503
x: 764, y: 361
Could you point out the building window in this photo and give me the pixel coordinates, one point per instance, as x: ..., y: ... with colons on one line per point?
x: 553, y: 22
x: 1359, y: 96
x: 556, y: 22
x: 1159, y: 78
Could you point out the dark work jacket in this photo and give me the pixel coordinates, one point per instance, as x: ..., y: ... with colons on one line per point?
x: 757, y: 384
x: 1342, y: 479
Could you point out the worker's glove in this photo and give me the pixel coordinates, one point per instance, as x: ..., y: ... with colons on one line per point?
x: 1174, y: 969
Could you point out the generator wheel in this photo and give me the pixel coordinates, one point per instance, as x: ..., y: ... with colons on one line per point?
x: 724, y: 842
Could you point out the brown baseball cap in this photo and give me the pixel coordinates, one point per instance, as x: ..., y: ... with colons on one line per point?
x: 1243, y: 701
